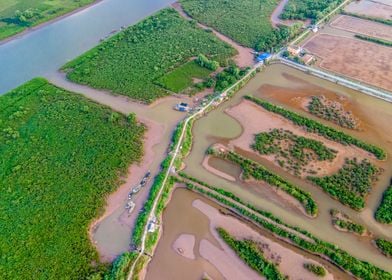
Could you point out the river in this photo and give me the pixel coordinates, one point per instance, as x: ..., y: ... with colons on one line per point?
x: 43, y: 51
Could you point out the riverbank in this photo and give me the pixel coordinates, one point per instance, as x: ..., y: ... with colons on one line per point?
x: 50, y: 21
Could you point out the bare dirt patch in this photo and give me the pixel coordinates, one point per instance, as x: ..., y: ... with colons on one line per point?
x: 378, y: 9
x: 255, y: 119
x: 365, y: 27
x: 363, y: 61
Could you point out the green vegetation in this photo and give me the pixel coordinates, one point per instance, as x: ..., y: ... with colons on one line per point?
x: 385, y: 247
x: 351, y: 183
x: 247, y: 22
x: 374, y: 40
x: 384, y: 211
x: 291, y: 151
x: 228, y: 77
x: 379, y: 20
x: 132, y: 61
x: 258, y: 172
x: 181, y: 78
x: 142, y: 218
x: 18, y: 15
x: 294, y: 235
x: 203, y: 61
x: 332, y: 111
x: 49, y: 141
x: 316, y: 127
x: 315, y: 269
x: 309, y: 9
x: 121, y: 265
x: 343, y: 222
x: 252, y: 255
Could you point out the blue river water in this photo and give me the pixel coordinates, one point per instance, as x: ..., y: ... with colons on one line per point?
x: 43, y: 51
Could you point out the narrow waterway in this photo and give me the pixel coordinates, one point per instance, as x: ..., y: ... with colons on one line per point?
x: 43, y: 51
x: 292, y: 83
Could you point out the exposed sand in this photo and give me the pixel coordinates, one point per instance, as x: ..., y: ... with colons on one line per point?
x: 184, y: 245
x: 373, y: 8
x: 364, y: 61
x: 255, y: 119
x: 289, y: 262
x: 216, y: 171
x: 226, y: 262
x: 365, y: 27
x: 136, y: 172
x: 244, y: 57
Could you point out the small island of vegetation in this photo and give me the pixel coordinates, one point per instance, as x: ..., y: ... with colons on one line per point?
x: 315, y: 269
x: 384, y: 211
x: 292, y: 152
x: 332, y: 111
x: 351, y: 183
x: 342, y: 222
x: 252, y: 255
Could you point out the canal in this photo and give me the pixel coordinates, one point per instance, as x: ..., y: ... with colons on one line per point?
x: 43, y: 51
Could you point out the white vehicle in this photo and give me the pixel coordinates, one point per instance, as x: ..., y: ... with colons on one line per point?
x: 130, y: 206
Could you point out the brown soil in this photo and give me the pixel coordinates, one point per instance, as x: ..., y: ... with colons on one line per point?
x: 371, y: 8
x: 136, y: 172
x: 255, y: 119
x: 363, y: 61
x: 365, y: 27
x: 245, y: 55
x: 289, y: 262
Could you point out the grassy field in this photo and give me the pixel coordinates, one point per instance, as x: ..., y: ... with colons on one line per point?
x: 60, y: 155
x: 247, y: 22
x: 18, y: 15
x: 181, y: 78
x: 130, y: 62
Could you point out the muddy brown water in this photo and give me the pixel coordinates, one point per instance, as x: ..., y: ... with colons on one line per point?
x: 180, y: 217
x: 283, y: 85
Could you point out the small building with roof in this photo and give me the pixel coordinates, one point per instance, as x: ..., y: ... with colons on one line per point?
x: 263, y: 57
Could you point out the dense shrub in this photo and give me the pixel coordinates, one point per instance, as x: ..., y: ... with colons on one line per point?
x: 258, y: 172
x: 350, y: 184
x: 308, y: 9
x: 380, y: 20
x: 252, y: 255
x: 130, y: 62
x: 339, y: 257
x: 332, y: 111
x: 374, y: 40
x: 315, y: 269
x: 291, y: 151
x: 247, y: 22
x: 385, y: 247
x: 384, y: 211
x: 64, y: 156
x: 343, y: 222
x: 319, y: 128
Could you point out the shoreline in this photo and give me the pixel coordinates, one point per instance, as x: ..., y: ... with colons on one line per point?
x: 28, y: 30
x: 116, y: 200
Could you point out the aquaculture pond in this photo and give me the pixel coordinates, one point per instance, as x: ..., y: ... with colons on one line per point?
x: 290, y: 88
